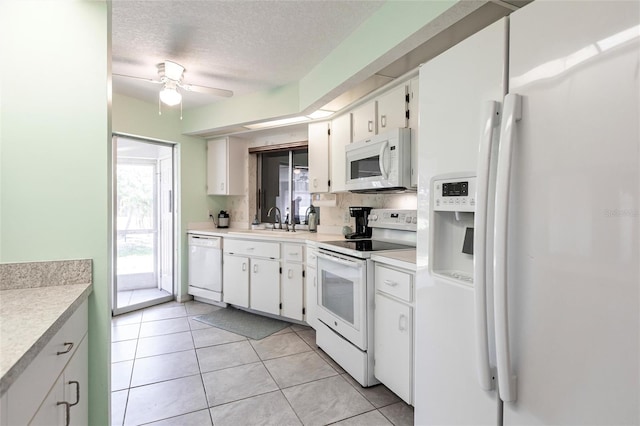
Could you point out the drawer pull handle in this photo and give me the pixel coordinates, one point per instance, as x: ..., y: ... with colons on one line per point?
x: 290, y: 274
x: 390, y: 283
x: 251, y: 248
x: 244, y: 266
x: 293, y: 253
x: 68, y: 405
x: 69, y: 346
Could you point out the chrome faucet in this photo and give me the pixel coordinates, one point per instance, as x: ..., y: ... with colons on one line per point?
x: 277, y: 220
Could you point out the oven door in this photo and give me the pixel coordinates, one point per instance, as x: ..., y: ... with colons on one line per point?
x: 342, y: 292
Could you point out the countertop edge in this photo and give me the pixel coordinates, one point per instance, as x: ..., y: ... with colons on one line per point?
x: 30, y: 354
x: 389, y: 259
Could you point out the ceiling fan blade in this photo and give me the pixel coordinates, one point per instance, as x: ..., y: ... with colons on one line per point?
x: 207, y: 90
x: 148, y: 80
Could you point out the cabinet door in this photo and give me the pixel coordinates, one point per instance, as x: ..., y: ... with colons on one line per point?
x: 265, y: 285
x: 76, y: 385
x: 363, y: 121
x: 392, y: 109
x: 50, y: 413
x: 292, y: 290
x: 217, y: 167
x: 393, y: 337
x: 236, y: 167
x: 235, y: 282
x: 311, y: 297
x: 414, y: 113
x: 319, y: 157
x: 340, y: 138
x: 72, y: 388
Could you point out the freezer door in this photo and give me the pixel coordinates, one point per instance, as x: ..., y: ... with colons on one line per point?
x: 573, y: 227
x: 454, y: 90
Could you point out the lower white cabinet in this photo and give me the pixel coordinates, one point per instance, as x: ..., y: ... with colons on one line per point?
x: 292, y: 290
x: 264, y: 276
x: 67, y: 402
x: 235, y: 279
x: 394, y: 330
x: 311, y: 287
x: 265, y: 286
x: 53, y: 389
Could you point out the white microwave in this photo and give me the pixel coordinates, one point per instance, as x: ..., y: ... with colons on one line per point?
x: 381, y: 163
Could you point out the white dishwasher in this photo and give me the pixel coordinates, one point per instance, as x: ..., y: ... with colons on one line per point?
x: 205, y: 268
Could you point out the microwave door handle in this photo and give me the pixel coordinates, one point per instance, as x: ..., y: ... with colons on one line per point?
x: 383, y: 150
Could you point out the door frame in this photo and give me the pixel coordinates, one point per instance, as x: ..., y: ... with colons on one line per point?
x: 176, y: 249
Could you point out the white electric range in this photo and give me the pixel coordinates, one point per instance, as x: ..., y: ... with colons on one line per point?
x: 346, y: 290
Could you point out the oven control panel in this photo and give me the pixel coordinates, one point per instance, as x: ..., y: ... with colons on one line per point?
x: 393, y: 219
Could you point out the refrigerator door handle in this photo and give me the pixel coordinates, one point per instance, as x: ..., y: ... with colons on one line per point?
x: 512, y: 113
x: 490, y: 120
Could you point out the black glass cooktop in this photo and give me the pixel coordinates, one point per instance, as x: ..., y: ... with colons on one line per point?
x: 368, y: 245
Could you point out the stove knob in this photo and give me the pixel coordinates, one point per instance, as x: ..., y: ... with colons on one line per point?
x: 373, y: 217
x: 408, y: 219
x: 415, y: 220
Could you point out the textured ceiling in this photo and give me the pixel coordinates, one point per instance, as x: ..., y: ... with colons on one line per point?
x: 243, y: 46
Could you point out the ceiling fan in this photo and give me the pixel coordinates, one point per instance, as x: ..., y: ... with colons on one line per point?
x: 171, y: 77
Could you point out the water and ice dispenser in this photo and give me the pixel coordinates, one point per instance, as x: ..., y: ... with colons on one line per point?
x: 451, y: 231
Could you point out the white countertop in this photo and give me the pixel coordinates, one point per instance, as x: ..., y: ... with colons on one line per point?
x: 263, y: 234
x: 405, y: 259
x: 29, y: 318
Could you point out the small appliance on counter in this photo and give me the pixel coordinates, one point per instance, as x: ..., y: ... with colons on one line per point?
x: 312, y: 219
x: 223, y: 219
x: 362, y: 220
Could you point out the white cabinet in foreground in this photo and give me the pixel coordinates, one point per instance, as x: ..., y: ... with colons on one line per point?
x: 393, y: 329
x: 53, y: 390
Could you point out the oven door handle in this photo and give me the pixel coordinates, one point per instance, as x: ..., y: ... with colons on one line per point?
x: 340, y: 260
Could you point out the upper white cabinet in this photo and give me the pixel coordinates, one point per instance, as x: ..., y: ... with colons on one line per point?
x: 319, y: 157
x: 226, y: 166
x: 363, y: 121
x: 414, y: 113
x: 340, y: 138
x: 392, y: 109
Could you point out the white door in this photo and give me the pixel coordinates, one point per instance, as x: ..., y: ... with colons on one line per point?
x: 573, y: 244
x: 235, y: 272
x: 166, y: 231
x: 454, y: 89
x: 393, y: 339
x: 265, y: 285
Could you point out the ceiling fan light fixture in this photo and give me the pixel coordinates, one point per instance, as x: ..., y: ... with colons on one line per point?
x: 170, y: 96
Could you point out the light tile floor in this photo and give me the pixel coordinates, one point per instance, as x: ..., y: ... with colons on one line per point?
x: 169, y: 369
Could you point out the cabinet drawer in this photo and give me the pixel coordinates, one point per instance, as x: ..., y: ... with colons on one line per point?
x: 252, y: 248
x: 312, y: 258
x: 293, y: 252
x: 394, y: 282
x: 33, y: 385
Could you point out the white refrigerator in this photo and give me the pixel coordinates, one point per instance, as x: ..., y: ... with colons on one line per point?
x: 530, y: 129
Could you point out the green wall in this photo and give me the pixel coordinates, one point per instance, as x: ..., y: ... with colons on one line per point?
x: 137, y: 118
x: 54, y: 152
